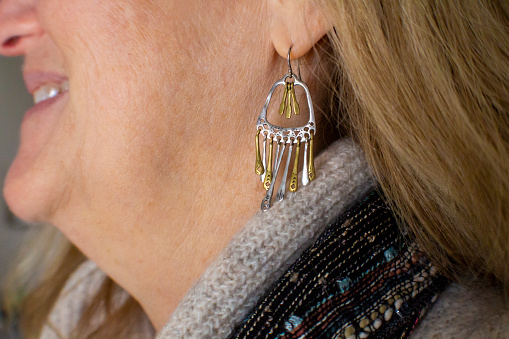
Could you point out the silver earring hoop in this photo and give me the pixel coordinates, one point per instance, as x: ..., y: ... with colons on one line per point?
x: 292, y: 137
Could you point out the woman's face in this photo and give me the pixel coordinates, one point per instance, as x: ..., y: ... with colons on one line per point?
x: 148, y: 143
x: 147, y: 86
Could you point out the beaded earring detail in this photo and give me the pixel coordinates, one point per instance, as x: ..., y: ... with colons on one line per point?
x: 267, y: 166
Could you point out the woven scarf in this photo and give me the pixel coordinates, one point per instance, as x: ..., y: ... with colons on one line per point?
x: 361, y: 279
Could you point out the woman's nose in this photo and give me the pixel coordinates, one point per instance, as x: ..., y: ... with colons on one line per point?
x: 19, y: 26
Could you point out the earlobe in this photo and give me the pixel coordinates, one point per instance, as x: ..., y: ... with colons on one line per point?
x: 297, y: 23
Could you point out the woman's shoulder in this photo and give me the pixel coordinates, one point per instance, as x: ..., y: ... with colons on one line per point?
x: 466, y: 312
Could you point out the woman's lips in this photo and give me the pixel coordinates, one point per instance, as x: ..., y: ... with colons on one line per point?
x: 44, y: 105
x: 34, y: 80
x: 47, y: 89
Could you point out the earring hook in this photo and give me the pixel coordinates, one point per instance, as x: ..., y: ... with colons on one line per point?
x: 290, y: 70
x: 289, y: 62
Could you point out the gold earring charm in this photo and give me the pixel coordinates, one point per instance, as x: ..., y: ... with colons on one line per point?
x: 268, y: 167
x: 289, y: 102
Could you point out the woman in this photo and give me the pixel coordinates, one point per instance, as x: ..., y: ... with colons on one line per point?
x: 139, y: 150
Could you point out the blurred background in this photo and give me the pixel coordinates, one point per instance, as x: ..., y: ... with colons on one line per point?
x: 14, y: 101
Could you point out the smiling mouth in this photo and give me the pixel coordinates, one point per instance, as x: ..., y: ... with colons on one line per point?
x: 49, y: 90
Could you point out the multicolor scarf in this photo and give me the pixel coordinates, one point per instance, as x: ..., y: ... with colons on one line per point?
x: 361, y: 279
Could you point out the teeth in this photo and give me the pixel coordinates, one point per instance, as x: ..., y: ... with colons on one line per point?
x: 50, y: 90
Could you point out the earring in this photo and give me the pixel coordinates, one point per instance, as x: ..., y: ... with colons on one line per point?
x: 267, y: 166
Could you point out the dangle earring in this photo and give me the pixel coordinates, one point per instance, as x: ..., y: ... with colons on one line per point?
x: 267, y: 165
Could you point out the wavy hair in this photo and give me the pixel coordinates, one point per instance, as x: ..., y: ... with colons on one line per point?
x: 426, y: 90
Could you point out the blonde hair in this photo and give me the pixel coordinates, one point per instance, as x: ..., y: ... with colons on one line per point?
x: 427, y: 99
x: 423, y: 87
x: 45, y: 265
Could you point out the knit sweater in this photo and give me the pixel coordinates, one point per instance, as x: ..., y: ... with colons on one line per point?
x: 264, y: 249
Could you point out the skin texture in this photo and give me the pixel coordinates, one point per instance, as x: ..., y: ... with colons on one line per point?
x: 126, y: 162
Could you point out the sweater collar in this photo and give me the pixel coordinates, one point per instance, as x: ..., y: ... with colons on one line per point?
x: 268, y: 244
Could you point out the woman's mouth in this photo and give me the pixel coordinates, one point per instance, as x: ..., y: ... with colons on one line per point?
x: 49, y: 90
x: 45, y: 85
x: 46, y: 88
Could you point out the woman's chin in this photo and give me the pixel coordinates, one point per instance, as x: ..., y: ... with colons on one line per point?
x: 26, y: 196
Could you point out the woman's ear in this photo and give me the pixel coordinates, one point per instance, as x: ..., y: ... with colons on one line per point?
x: 296, y: 23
